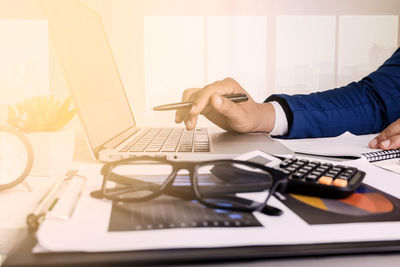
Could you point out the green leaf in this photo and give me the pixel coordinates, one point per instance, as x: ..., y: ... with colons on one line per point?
x: 41, y: 113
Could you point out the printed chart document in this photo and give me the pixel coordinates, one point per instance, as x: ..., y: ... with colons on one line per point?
x: 92, y: 227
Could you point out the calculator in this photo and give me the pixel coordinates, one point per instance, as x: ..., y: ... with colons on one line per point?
x: 314, y: 178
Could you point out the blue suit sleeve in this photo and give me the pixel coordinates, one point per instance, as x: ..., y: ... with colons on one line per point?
x: 363, y: 107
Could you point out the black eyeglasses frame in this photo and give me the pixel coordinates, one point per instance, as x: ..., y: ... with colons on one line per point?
x: 279, y: 182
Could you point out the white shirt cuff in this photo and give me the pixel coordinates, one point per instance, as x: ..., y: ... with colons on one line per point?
x: 281, y: 126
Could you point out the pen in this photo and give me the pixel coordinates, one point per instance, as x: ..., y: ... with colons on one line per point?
x: 47, y: 202
x: 233, y: 97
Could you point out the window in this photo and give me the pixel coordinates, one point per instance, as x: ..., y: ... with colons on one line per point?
x: 24, y: 64
x: 269, y: 46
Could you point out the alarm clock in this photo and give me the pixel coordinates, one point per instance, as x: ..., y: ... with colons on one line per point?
x: 16, y: 157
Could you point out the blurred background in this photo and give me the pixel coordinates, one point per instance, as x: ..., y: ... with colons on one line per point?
x: 162, y: 47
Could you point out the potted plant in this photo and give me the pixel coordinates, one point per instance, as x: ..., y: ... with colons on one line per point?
x: 43, y: 118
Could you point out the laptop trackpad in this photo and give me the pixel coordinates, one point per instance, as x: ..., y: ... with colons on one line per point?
x: 227, y: 142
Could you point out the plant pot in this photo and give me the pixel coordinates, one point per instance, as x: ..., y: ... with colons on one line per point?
x: 52, y: 152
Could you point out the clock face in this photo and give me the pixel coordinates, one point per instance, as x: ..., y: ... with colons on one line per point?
x: 14, y: 157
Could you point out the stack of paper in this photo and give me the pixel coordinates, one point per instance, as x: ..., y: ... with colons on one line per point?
x: 88, y: 229
x: 344, y: 145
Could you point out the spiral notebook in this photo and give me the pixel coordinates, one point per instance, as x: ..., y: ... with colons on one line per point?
x: 382, y: 155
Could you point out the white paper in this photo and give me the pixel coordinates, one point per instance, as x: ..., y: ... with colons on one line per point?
x: 87, y: 230
x: 16, y: 203
x: 346, y: 144
x: 390, y: 164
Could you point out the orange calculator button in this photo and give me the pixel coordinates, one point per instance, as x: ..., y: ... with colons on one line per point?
x: 325, y: 180
x: 340, y: 182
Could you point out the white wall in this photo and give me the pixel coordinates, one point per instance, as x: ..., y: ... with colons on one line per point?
x: 376, y: 39
x: 183, y: 52
x: 270, y: 46
x: 24, y: 59
x: 190, y: 51
x: 305, y: 48
x: 236, y: 46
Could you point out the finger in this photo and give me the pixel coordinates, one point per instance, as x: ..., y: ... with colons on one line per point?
x: 180, y: 113
x: 373, y: 143
x: 202, y: 98
x: 225, y: 107
x: 207, y: 110
x: 190, y: 122
x: 392, y: 143
x: 219, y: 120
x: 391, y: 130
x: 178, y: 117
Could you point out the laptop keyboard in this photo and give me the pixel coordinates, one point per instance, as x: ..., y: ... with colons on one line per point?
x: 170, y: 140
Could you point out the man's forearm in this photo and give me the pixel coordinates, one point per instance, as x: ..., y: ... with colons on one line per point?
x: 367, y: 106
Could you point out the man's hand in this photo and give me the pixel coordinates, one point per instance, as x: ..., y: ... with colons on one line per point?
x: 388, y: 138
x: 241, y: 117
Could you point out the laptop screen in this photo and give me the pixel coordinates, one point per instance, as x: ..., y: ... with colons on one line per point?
x: 89, y: 68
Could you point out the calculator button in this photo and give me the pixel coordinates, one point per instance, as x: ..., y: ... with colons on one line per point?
x: 349, y: 173
x: 296, y: 165
x: 325, y: 180
x: 310, y: 165
x: 298, y: 175
x: 340, y: 183
x: 307, y: 168
x: 344, y: 177
x: 327, y: 165
x: 319, y: 169
x: 317, y: 173
x: 312, y: 177
x: 291, y: 169
x: 342, y: 167
x: 284, y: 164
x: 336, y: 169
x: 331, y: 174
x: 304, y: 161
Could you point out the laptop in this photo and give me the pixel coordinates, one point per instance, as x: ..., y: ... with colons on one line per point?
x: 90, y: 70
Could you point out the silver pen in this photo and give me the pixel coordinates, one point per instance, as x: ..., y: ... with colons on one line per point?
x: 49, y: 200
x: 232, y: 97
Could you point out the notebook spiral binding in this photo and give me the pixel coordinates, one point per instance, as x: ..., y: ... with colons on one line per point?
x: 382, y: 155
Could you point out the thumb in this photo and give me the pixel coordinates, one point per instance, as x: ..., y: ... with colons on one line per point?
x: 391, y: 143
x: 225, y: 107
x: 392, y: 130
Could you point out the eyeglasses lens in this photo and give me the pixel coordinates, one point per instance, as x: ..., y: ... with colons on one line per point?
x: 137, y: 179
x: 233, y: 185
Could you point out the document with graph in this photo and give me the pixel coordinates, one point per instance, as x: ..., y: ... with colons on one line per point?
x: 370, y: 214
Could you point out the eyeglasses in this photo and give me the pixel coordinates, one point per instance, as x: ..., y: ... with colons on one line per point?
x: 222, y: 184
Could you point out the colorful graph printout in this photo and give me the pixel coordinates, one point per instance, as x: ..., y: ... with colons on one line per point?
x: 367, y: 204
x: 167, y: 212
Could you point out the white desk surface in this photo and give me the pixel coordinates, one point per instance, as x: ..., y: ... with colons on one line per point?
x: 82, y: 155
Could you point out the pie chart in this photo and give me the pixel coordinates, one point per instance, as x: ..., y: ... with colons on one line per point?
x: 361, y: 203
